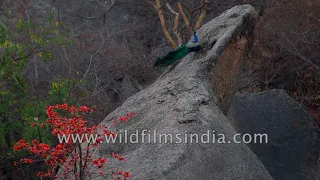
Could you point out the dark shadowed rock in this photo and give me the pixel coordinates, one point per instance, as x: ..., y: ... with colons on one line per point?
x: 129, y: 87
x: 293, y: 149
x: 182, y: 102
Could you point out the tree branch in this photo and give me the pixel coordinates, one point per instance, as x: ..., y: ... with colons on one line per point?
x: 176, y: 23
x: 185, y: 19
x: 164, y: 26
x: 202, y: 15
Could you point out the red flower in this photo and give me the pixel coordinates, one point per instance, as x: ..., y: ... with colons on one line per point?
x: 55, y: 132
x: 64, y: 106
x: 123, y: 118
x: 103, y: 160
x: 17, y: 147
x: 127, y: 175
x: 99, y: 162
x: 115, y: 155
x: 39, y: 174
x: 121, y: 158
x: 35, y: 141
x: 20, y: 145
x: 65, y: 125
x: 95, y: 162
x: 26, y: 161
x: 72, y: 109
x: 131, y: 114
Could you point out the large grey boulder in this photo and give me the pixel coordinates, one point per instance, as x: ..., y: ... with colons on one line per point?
x: 292, y: 151
x: 182, y: 101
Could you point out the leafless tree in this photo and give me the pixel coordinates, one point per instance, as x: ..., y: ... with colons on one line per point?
x: 187, y: 11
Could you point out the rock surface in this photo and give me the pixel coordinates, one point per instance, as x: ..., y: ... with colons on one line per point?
x: 182, y: 101
x: 129, y: 87
x: 293, y: 148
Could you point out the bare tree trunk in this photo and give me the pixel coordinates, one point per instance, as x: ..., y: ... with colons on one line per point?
x: 202, y: 15
x: 172, y: 43
x: 34, y: 60
x: 36, y: 72
x: 176, y: 24
x: 185, y: 19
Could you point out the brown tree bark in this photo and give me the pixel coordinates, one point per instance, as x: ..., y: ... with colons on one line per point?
x: 176, y: 23
x: 185, y: 19
x: 172, y: 43
x: 176, y: 26
x: 202, y: 15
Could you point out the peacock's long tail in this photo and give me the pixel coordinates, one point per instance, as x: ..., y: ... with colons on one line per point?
x: 173, y: 56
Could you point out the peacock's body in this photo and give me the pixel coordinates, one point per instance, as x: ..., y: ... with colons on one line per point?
x: 179, y: 53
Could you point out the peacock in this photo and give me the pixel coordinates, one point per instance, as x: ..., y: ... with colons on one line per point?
x: 180, y: 52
